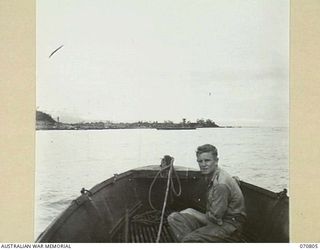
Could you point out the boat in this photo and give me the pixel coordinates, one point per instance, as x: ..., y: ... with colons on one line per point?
x: 176, y: 128
x: 129, y: 207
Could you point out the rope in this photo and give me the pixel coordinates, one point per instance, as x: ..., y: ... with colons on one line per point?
x: 169, y: 183
x: 165, y: 202
x: 179, y: 183
x: 150, y: 189
x: 173, y: 189
x: 150, y: 218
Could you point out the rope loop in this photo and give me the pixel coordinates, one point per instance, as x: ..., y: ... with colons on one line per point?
x: 166, y: 163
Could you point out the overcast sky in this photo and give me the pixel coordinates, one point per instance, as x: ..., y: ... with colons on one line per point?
x: 130, y: 60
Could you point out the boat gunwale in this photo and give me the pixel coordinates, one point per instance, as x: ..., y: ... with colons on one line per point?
x: 197, y: 173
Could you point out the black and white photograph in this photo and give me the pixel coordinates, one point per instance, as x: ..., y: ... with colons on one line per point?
x: 162, y: 121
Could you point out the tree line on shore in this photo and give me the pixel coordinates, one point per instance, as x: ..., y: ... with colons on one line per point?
x: 45, y: 121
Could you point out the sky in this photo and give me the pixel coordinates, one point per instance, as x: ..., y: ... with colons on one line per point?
x: 131, y: 60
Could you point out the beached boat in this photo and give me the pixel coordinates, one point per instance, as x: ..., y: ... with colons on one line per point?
x: 119, y: 209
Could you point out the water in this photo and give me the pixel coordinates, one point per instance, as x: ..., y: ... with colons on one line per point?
x: 69, y: 160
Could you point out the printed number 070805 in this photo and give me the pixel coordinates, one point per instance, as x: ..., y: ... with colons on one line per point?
x: 308, y: 245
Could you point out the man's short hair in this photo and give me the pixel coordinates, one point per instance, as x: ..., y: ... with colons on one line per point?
x: 206, y: 148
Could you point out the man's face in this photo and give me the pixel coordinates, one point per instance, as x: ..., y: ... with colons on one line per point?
x: 207, y: 163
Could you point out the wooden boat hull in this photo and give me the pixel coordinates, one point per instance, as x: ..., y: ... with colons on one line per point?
x: 102, y: 214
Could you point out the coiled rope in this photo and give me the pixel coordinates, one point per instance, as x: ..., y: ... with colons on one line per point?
x: 165, y: 166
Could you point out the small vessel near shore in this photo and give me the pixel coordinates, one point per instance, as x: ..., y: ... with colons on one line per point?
x: 129, y: 207
x: 176, y: 128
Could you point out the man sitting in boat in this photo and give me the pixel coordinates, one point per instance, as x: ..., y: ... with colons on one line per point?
x: 225, y: 208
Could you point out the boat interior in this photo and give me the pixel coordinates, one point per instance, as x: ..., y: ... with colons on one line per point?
x: 127, y: 208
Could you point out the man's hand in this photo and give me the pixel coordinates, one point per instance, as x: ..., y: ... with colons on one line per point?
x: 214, y: 219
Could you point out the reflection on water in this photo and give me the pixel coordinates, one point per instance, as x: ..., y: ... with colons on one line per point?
x: 69, y: 160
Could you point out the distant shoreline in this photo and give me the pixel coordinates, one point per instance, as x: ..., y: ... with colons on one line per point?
x: 220, y: 127
x: 76, y: 129
x: 45, y: 121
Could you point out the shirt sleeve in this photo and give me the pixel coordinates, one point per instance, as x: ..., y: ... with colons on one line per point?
x: 219, y: 203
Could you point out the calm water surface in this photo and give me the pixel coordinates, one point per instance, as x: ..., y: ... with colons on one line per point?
x: 69, y: 160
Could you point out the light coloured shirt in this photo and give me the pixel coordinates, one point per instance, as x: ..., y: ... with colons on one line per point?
x: 225, y: 199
